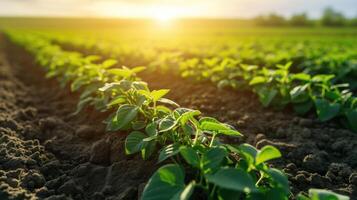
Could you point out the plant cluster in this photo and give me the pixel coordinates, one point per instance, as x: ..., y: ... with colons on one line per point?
x: 320, y: 87
x: 202, y: 165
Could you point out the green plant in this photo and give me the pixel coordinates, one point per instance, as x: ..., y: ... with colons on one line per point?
x: 318, y: 194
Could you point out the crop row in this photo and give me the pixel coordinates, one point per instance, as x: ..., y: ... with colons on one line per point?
x: 322, y: 86
x: 201, y: 161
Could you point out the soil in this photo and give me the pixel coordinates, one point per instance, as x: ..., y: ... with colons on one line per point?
x: 48, y: 153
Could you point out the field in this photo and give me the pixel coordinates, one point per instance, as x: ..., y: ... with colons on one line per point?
x: 197, y: 109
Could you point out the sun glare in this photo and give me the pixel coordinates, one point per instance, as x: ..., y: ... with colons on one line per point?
x: 165, y: 15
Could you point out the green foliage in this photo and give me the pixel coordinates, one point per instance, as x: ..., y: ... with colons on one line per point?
x: 191, y: 141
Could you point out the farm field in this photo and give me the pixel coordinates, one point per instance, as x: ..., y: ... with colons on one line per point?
x: 200, y: 109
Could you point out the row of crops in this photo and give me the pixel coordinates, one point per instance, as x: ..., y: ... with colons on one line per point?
x: 196, y: 163
x: 309, y: 77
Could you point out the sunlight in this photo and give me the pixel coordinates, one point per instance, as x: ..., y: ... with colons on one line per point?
x: 165, y: 15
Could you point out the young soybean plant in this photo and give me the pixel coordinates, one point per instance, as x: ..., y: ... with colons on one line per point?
x: 218, y: 170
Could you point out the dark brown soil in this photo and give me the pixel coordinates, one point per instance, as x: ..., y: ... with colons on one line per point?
x: 46, y: 153
x: 73, y: 157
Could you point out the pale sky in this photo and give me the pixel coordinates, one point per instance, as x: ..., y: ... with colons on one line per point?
x: 172, y: 8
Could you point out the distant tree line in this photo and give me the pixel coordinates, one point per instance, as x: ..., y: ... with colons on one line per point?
x: 330, y: 17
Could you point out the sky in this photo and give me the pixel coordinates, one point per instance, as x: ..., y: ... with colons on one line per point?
x: 172, y: 8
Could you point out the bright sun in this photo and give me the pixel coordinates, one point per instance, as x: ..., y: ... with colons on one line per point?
x: 165, y: 15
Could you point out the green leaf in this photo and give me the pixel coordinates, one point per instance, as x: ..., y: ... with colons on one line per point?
x: 125, y: 114
x: 187, y: 192
x: 168, y: 101
x: 248, y: 152
x: 188, y: 115
x: 351, y: 116
x: 108, y: 86
x: 267, y: 95
x: 125, y: 73
x: 303, y: 108
x: 168, y: 151
x: 158, y: 94
x: 218, y: 127
x: 230, y: 133
x: 151, y: 129
x: 190, y: 156
x: 166, y: 183
x: 301, y: 77
x: 117, y: 100
x: 279, y: 179
x: 326, y: 110
x: 208, y: 119
x: 318, y: 194
x: 212, y: 159
x: 299, y: 94
x: 134, y: 142
x: 213, y: 126
x: 257, y: 80
x: 267, y: 153
x: 167, y: 124
x: 109, y: 63
x: 82, y: 103
x: 138, y: 69
x: 233, y: 179
x: 138, y: 125
x: 225, y: 194
x: 149, y: 148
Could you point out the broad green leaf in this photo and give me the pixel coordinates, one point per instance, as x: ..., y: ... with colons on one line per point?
x: 138, y: 125
x: 218, y: 127
x: 149, y: 148
x: 279, y: 179
x: 163, y: 109
x: 166, y: 183
x: 151, y: 129
x: 134, y: 142
x: 267, y: 95
x: 351, y: 116
x: 109, y: 63
x: 138, y: 69
x: 168, y: 151
x: 167, y: 124
x: 303, y: 108
x: 208, y: 119
x: 299, y: 94
x: 190, y: 156
x: 318, y: 194
x: 168, y: 101
x: 226, y: 194
x: 187, y: 192
x: 158, y: 94
x: 117, y: 100
x: 141, y: 85
x: 212, y: 159
x: 301, y: 77
x: 125, y: 114
x: 108, y: 86
x: 233, y: 179
x: 230, y: 133
x: 257, y: 80
x: 248, y: 152
x: 213, y: 126
x: 267, y: 153
x: 188, y: 115
x: 326, y: 110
